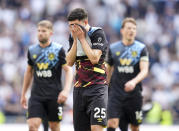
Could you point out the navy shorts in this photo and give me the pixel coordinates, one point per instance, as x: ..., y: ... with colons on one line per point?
x: 128, y: 110
x: 44, y: 108
x: 89, y: 107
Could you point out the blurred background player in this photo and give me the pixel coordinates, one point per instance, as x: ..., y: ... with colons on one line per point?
x: 45, y: 61
x: 87, y: 50
x: 128, y: 63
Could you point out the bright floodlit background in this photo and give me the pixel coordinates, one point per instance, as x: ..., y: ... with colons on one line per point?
x: 158, y: 28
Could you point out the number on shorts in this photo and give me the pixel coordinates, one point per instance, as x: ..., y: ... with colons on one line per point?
x: 139, y: 115
x: 100, y: 112
x: 60, y: 111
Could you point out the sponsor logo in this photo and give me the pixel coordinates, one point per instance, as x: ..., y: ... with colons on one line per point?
x: 125, y: 61
x: 126, y: 69
x: 99, y: 119
x: 43, y: 66
x: 101, y: 44
x: 44, y: 73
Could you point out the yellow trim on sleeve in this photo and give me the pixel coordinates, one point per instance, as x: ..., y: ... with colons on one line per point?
x: 64, y: 64
x: 144, y: 58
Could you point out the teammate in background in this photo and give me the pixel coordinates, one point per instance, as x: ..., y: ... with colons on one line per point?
x: 87, y: 50
x: 128, y: 63
x: 45, y: 61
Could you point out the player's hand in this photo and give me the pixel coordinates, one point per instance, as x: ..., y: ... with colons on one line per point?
x: 23, y: 102
x: 129, y: 86
x: 80, y: 32
x: 62, y: 97
x: 73, y: 29
x: 77, y: 31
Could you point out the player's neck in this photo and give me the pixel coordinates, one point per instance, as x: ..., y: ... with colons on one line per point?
x: 127, y: 42
x: 43, y: 45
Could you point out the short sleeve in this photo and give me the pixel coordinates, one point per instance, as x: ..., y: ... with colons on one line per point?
x: 62, y: 56
x: 144, y: 55
x: 29, y: 61
x: 109, y: 59
x: 98, y: 40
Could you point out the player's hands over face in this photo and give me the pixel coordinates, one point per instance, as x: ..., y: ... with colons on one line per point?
x: 73, y: 29
x: 23, y: 102
x: 80, y: 32
x: 129, y: 86
x: 77, y: 32
x: 62, y: 97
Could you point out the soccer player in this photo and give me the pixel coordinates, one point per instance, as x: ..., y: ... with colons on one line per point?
x: 128, y: 63
x: 87, y: 50
x: 45, y: 61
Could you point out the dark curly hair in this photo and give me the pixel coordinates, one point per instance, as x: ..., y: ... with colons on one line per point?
x: 77, y: 14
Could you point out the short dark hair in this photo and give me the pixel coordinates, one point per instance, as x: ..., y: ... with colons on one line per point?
x: 130, y: 20
x: 77, y: 14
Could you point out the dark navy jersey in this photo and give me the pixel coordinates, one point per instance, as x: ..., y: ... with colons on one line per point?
x: 88, y: 74
x: 47, y: 64
x: 125, y: 60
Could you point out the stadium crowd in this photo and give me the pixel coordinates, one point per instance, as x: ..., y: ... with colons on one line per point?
x: 158, y: 28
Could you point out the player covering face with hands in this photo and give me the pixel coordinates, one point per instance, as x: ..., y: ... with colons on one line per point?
x: 87, y: 51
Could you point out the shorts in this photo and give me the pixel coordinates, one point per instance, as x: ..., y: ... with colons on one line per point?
x: 44, y: 108
x: 128, y: 110
x: 89, y: 107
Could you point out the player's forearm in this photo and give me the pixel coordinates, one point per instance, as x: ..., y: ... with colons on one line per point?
x: 144, y: 69
x: 141, y: 76
x: 27, y: 82
x: 71, y: 55
x: 92, y: 54
x: 109, y: 71
x: 68, y: 79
